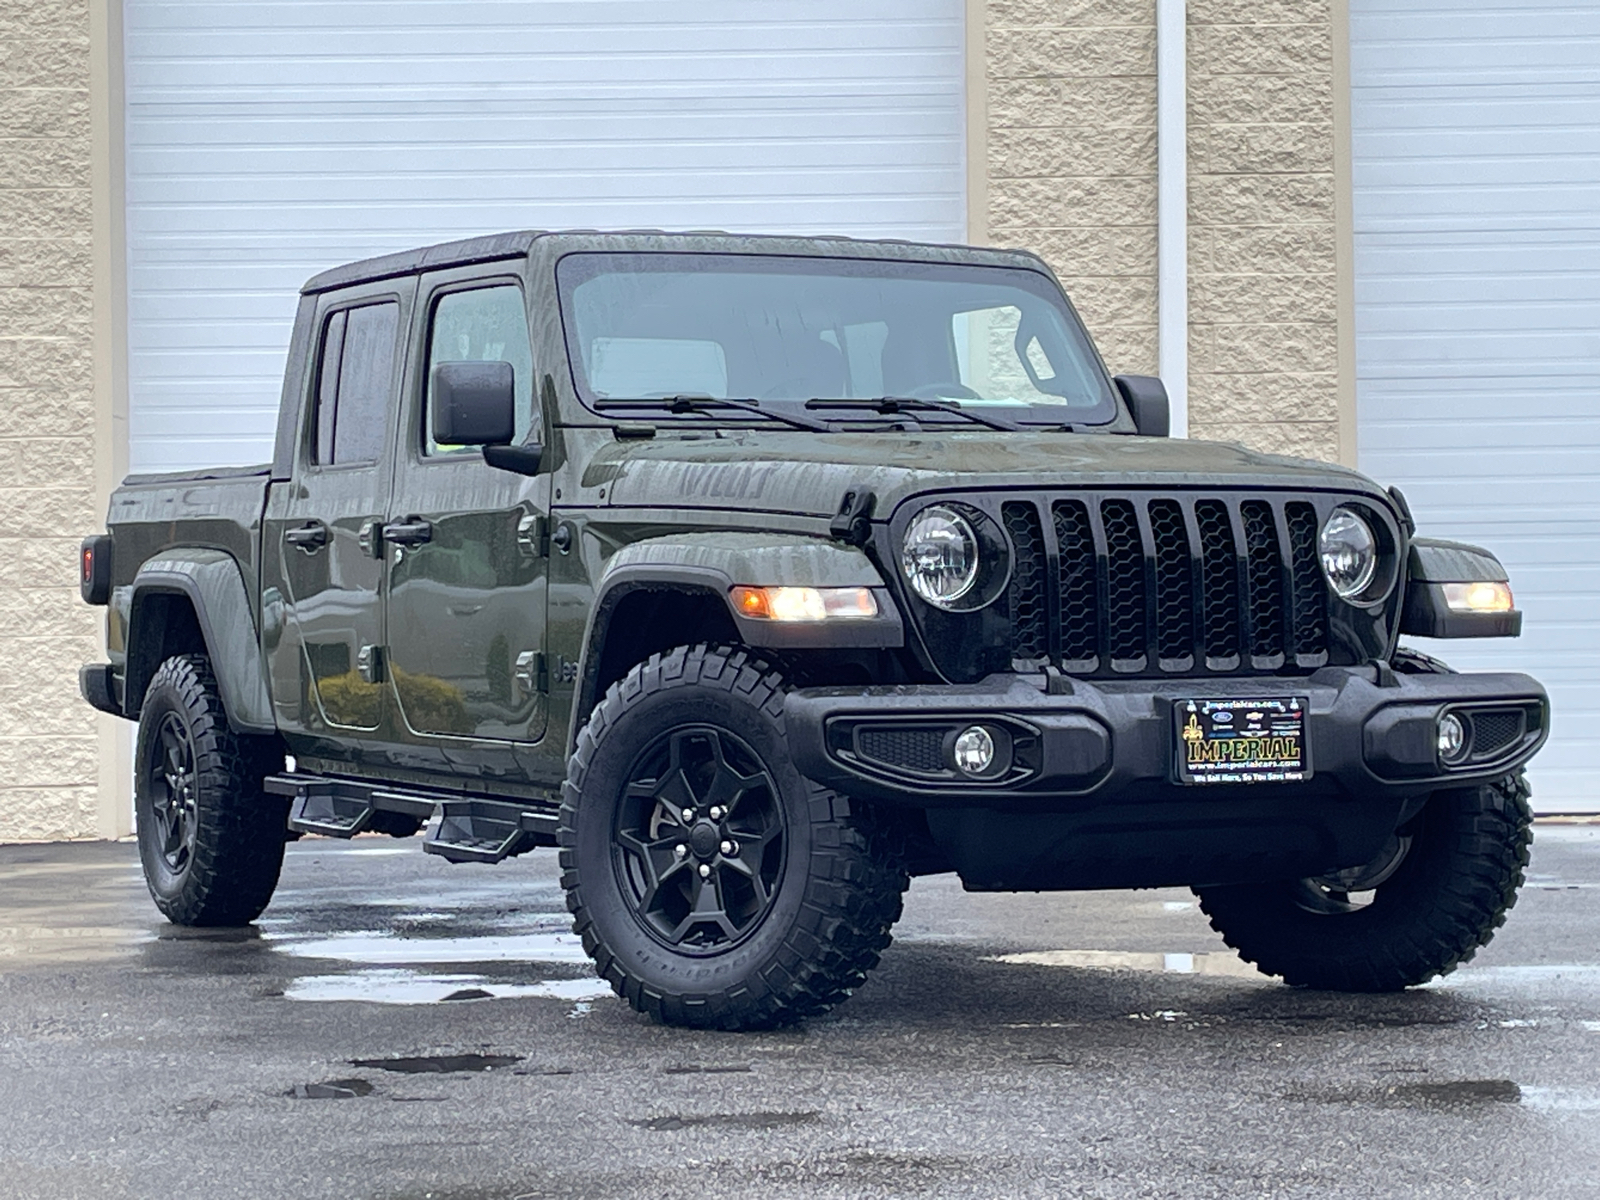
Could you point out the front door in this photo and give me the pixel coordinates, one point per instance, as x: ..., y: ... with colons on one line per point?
x: 466, y: 598
x: 322, y: 550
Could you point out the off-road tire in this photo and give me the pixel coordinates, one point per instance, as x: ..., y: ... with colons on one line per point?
x: 831, y: 910
x: 1446, y: 899
x: 236, y: 853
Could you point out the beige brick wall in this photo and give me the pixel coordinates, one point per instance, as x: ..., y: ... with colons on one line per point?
x: 1071, y: 153
x: 1070, y: 129
x: 48, y: 741
x: 1263, y: 270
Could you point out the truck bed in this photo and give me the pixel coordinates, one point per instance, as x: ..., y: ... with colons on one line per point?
x: 219, y: 508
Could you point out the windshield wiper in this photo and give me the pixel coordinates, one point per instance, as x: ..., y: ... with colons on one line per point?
x: 889, y: 405
x: 686, y: 404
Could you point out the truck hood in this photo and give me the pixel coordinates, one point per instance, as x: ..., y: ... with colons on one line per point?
x: 807, y: 474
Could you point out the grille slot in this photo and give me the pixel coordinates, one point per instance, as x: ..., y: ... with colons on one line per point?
x: 1167, y: 585
x: 1080, y: 592
x: 1174, y: 581
x: 1310, y: 594
x: 911, y: 749
x: 1266, y: 581
x: 1219, y: 571
x: 1030, y: 622
x: 1124, y: 583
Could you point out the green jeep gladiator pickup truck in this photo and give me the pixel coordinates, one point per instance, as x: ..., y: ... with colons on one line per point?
x: 759, y: 574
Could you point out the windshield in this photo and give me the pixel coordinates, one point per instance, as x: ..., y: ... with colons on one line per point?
x: 784, y: 331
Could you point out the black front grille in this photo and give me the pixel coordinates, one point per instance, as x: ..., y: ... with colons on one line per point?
x: 1166, y: 584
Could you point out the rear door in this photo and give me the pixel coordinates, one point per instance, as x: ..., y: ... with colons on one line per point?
x: 467, y: 582
x: 323, y: 549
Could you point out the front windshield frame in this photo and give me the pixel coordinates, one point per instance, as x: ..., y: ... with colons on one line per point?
x: 578, y: 267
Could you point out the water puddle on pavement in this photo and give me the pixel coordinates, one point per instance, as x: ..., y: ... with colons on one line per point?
x: 393, y: 968
x: 1521, y: 974
x: 1121, y: 960
x: 440, y: 1064
x: 740, y: 1121
x: 332, y: 1089
x: 1561, y: 1099
x: 410, y: 987
x: 394, y: 950
x: 68, y: 943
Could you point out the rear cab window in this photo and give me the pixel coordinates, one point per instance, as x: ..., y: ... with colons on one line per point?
x: 355, y: 384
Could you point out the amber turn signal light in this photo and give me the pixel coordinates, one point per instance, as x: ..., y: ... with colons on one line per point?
x: 1479, y: 597
x: 804, y: 603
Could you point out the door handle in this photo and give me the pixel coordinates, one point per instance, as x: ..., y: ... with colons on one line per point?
x: 413, y: 531
x: 309, y: 537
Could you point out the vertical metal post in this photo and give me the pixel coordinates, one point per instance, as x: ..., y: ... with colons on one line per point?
x: 1172, y: 206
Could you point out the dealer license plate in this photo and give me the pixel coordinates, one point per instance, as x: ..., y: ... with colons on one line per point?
x: 1242, y: 741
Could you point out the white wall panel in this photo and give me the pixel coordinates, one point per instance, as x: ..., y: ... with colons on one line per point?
x: 1477, y: 223
x: 267, y: 141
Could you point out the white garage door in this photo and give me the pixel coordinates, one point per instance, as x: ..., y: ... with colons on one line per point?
x: 1477, y: 223
x: 269, y: 140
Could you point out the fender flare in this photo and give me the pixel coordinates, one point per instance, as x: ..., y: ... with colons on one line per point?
x: 1430, y: 565
x: 212, y: 583
x: 713, y: 564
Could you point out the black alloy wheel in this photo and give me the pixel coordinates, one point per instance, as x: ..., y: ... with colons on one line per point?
x: 700, y: 839
x: 171, y: 787
x: 712, y: 884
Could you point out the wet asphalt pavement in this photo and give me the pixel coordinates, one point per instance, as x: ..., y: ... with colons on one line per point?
x: 1100, y: 1045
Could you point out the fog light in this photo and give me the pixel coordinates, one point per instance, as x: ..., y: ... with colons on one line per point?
x: 974, y: 750
x: 1452, y: 738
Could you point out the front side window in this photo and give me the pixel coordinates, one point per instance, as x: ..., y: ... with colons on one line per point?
x: 482, y: 325
x: 355, y: 384
x: 788, y: 330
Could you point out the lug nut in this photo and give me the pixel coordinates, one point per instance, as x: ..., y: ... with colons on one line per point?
x: 705, y: 871
x: 728, y: 847
x: 716, y: 814
x: 688, y: 815
x: 680, y: 849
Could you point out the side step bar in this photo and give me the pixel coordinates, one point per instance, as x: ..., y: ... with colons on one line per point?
x: 460, y: 829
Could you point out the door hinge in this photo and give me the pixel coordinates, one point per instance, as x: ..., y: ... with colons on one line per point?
x: 370, y: 538
x: 531, y: 674
x: 369, y: 664
x: 533, y: 536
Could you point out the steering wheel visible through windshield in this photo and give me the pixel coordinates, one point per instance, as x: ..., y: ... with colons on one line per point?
x: 784, y: 331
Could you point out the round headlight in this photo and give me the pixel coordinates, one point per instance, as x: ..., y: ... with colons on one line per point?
x: 940, y: 556
x: 1349, y: 553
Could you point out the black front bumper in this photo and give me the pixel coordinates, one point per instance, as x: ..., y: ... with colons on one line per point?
x: 1092, y: 799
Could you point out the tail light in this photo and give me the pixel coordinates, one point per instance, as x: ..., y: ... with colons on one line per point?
x: 94, y: 569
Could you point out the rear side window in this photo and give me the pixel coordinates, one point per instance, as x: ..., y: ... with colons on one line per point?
x: 355, y: 384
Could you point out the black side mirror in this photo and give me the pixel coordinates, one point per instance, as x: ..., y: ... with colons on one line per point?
x: 1147, y: 401
x: 474, y: 404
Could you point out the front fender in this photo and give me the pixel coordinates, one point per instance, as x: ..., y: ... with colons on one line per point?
x: 213, y: 585
x: 717, y: 562
x: 712, y: 564
x: 1430, y: 566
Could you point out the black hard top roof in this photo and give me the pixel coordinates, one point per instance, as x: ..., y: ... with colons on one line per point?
x: 492, y: 247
